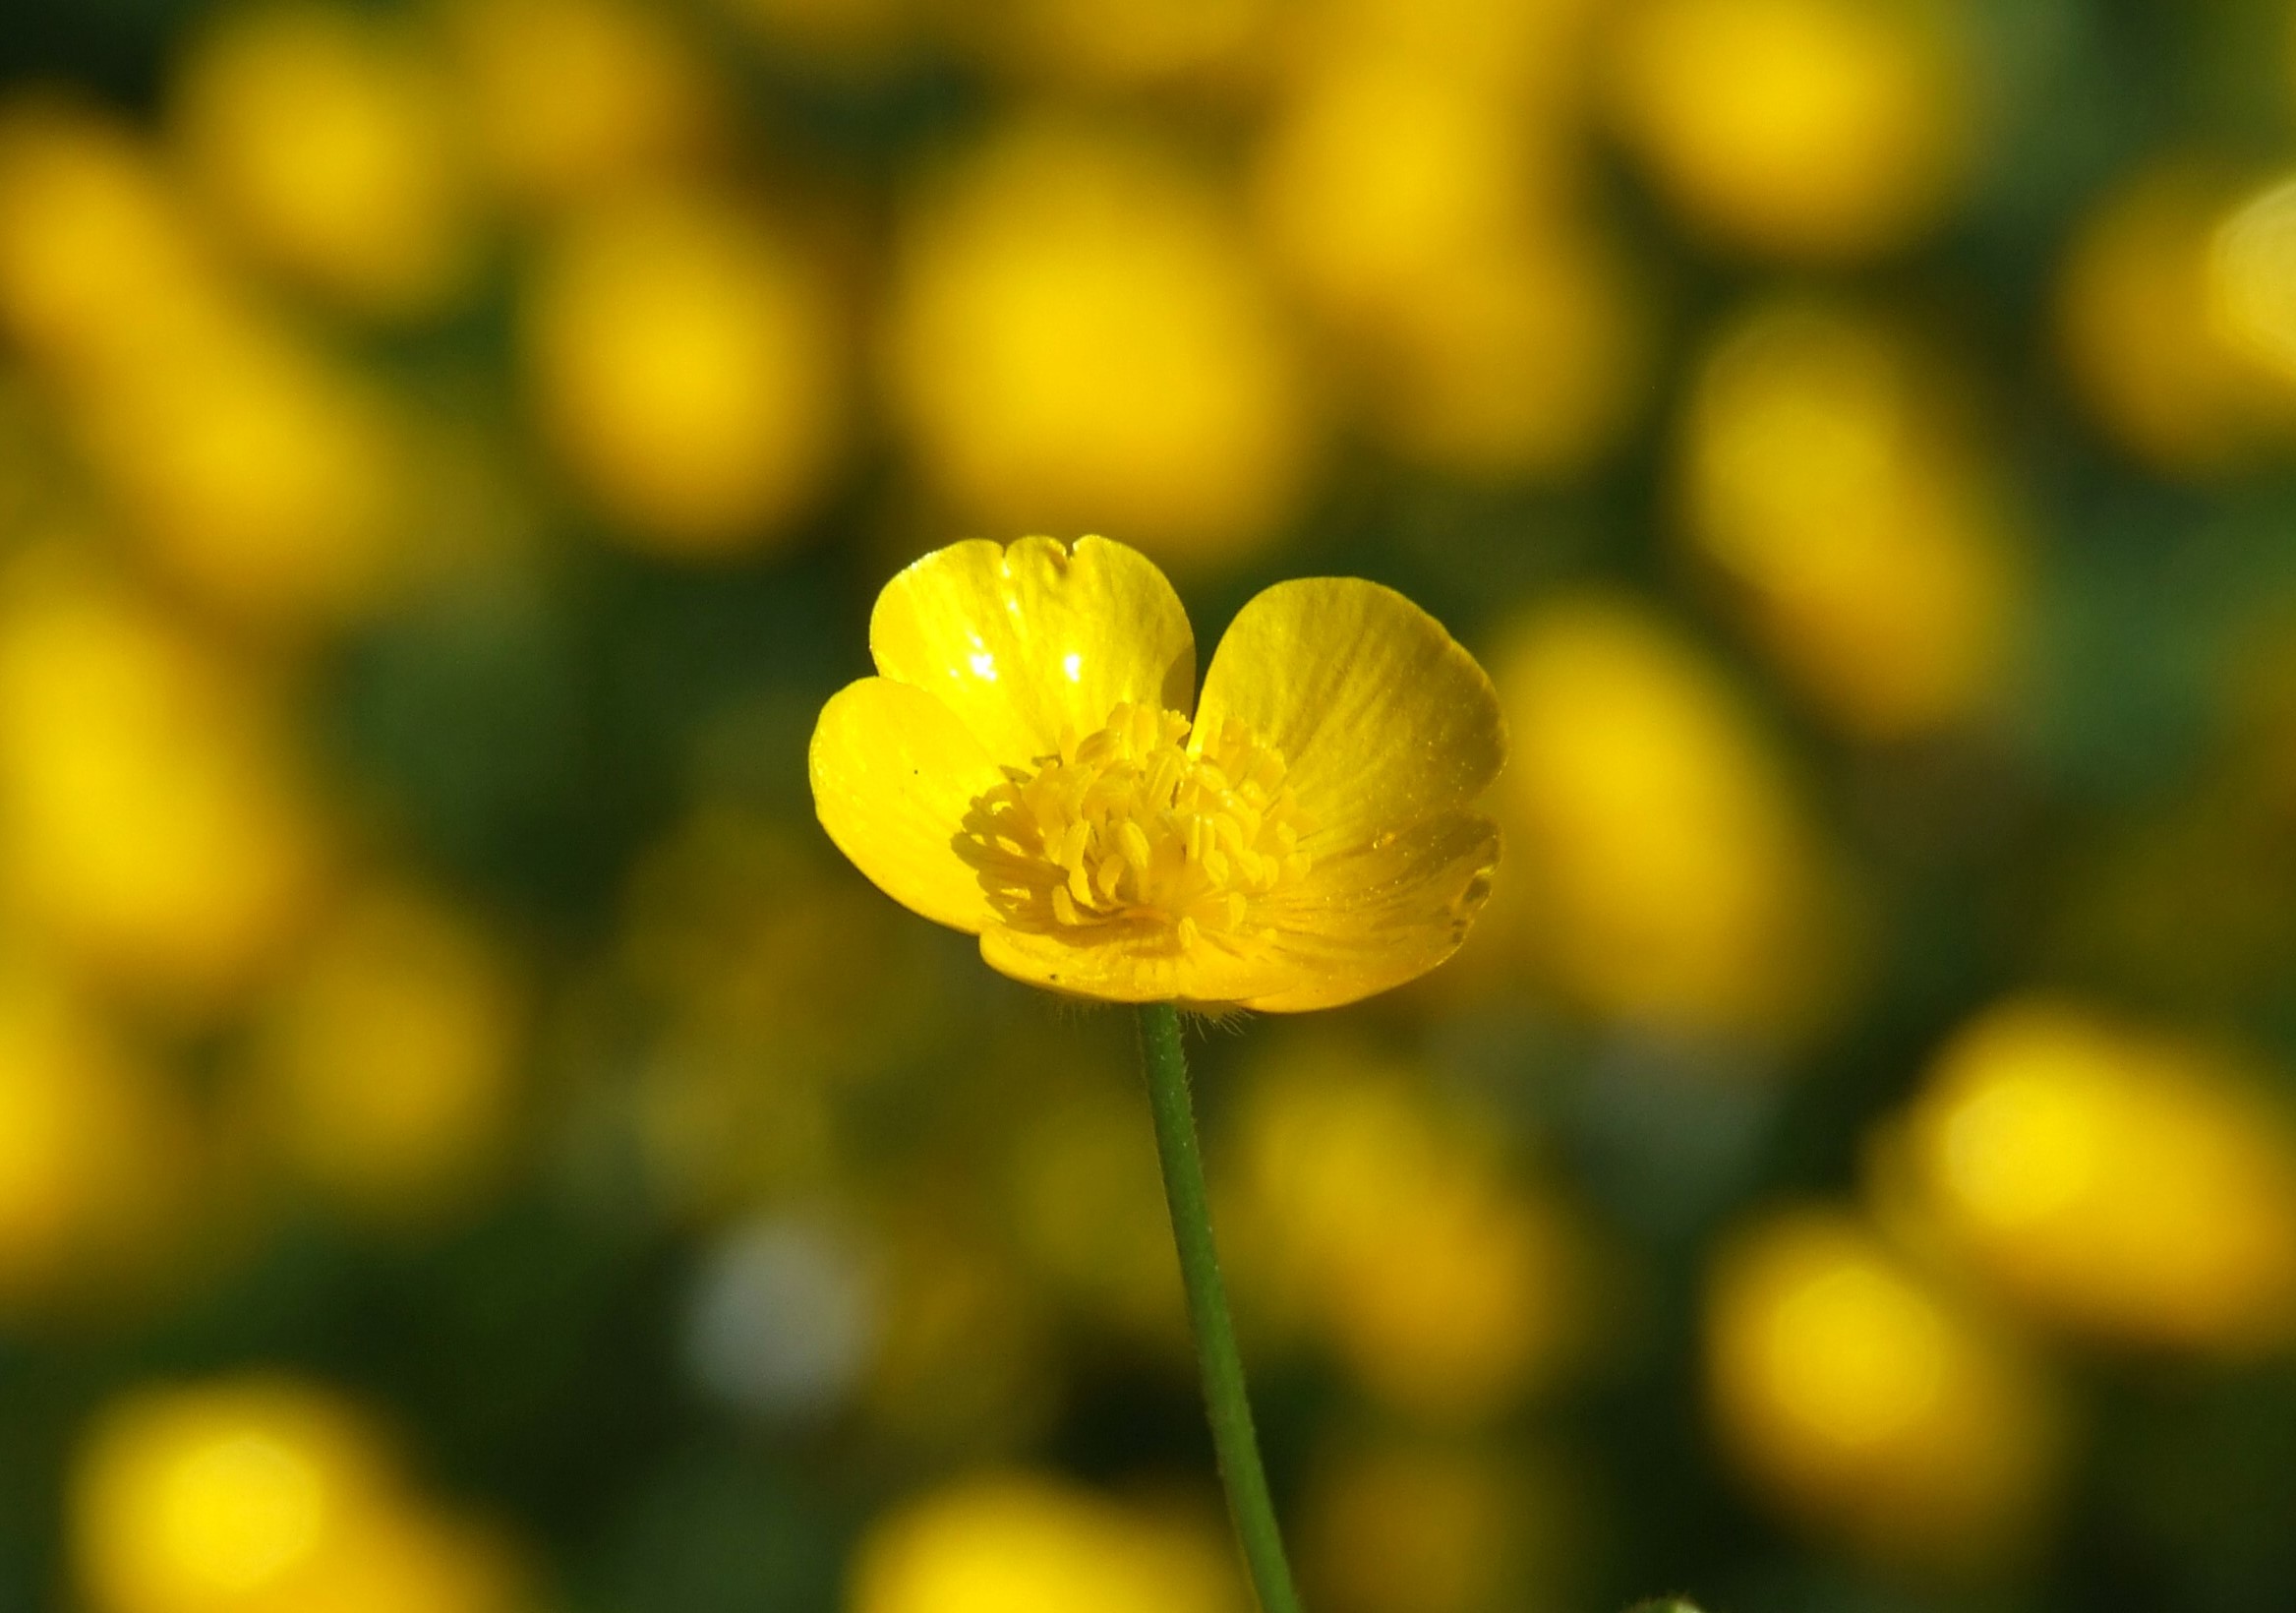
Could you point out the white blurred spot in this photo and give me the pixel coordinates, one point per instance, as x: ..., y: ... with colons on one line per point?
x: 783, y: 1318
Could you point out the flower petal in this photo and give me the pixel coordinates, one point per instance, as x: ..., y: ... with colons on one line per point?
x: 1024, y: 641
x: 1368, y: 919
x: 894, y: 773
x: 1143, y: 967
x: 1363, y: 923
x: 1383, y: 719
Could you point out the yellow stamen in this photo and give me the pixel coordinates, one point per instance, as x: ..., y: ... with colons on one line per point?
x: 1127, y: 825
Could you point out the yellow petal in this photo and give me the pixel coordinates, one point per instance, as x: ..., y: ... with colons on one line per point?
x: 1383, y: 719
x: 1024, y: 641
x: 1368, y: 919
x: 1144, y: 968
x: 894, y: 774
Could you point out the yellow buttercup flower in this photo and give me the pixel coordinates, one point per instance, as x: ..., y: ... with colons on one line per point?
x: 324, y: 145
x: 1025, y: 768
x: 1367, y: 1210
x: 229, y: 1496
x: 2118, y: 1182
x: 2249, y: 305
x: 683, y: 365
x: 384, y: 1072
x: 98, y: 262
x: 569, y: 100
x: 100, y: 1153
x: 1868, y: 1402
x: 1814, y: 130
x: 154, y: 821
x: 1043, y: 263
x: 1025, y: 1543
x: 2156, y: 309
x: 1833, y: 478
x: 266, y: 1494
x: 1667, y: 874
x: 1482, y: 323
x: 253, y: 468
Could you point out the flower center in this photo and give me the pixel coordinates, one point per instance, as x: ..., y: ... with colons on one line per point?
x: 1131, y: 825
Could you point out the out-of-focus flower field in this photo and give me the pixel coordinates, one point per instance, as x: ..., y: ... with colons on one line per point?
x: 469, y: 1145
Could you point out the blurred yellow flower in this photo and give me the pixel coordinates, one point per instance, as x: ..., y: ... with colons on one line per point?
x: 1805, y: 129
x: 410, y: 1559
x: 684, y: 360
x: 1377, y: 176
x: 99, y: 1154
x: 1868, y: 1402
x: 1664, y: 872
x: 265, y: 1495
x: 150, y: 818
x: 1366, y: 1211
x: 257, y: 472
x: 98, y: 261
x: 2122, y: 1183
x: 569, y: 100
x: 1023, y: 1543
x: 1535, y: 56
x: 1527, y: 363
x: 1829, y: 477
x: 1079, y: 338
x: 222, y: 1497
x: 260, y: 475
x: 323, y: 138
x: 1490, y: 328
x: 2251, y: 278
x: 386, y: 1067
x: 2150, y: 325
x: 1024, y: 769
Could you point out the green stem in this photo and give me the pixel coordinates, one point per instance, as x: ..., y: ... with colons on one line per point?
x: 1224, y: 1402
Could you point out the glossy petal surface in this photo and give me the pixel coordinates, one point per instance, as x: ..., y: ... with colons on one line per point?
x: 1368, y: 919
x: 1381, y: 717
x: 1024, y: 641
x: 894, y: 773
x: 1142, y: 968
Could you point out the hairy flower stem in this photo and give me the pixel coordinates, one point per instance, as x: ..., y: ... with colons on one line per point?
x: 1224, y: 1402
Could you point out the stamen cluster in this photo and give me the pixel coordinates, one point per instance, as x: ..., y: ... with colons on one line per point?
x: 1131, y: 825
